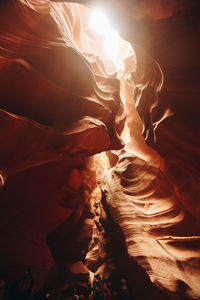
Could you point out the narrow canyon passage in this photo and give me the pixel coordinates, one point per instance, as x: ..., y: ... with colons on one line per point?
x: 99, y: 151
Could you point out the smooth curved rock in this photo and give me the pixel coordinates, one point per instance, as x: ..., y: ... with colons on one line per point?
x: 60, y: 103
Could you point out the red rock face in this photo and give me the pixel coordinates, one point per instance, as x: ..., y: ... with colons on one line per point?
x: 60, y: 105
x: 54, y: 114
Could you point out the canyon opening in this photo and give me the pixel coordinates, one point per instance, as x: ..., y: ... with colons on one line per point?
x: 99, y: 149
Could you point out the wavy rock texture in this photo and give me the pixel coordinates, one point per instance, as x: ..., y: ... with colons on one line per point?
x: 157, y: 230
x: 60, y: 104
x: 54, y: 114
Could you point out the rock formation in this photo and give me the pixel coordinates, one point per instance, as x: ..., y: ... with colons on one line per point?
x: 99, y: 159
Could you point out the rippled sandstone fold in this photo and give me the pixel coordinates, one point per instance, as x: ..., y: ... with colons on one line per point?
x: 61, y: 103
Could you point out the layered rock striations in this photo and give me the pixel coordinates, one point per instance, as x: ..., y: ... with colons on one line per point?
x: 54, y: 114
x: 131, y: 213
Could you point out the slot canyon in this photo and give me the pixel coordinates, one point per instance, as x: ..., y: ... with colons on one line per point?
x: 100, y: 147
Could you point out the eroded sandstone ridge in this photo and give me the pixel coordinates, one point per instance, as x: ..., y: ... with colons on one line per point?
x: 99, y: 161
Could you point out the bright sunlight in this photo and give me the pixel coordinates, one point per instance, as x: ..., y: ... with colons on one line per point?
x: 100, y: 24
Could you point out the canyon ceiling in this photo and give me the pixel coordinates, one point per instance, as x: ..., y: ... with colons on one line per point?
x: 99, y: 157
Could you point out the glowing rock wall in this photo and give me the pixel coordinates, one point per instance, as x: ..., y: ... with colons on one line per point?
x: 61, y: 103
